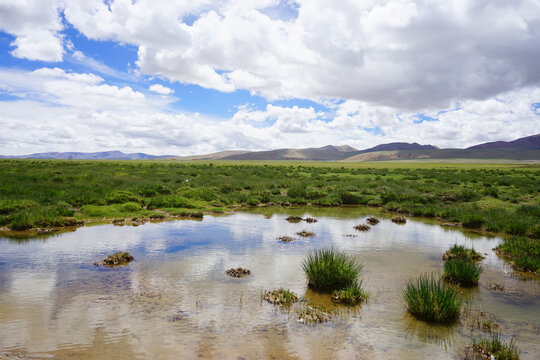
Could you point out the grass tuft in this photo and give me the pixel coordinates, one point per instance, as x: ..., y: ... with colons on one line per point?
x: 430, y: 299
x: 328, y: 270
x: 462, y: 272
x: 495, y: 348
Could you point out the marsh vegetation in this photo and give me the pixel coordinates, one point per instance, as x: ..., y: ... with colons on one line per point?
x: 430, y: 299
x: 49, y: 193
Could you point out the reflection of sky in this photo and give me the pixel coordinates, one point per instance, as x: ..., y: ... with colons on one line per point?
x: 52, y: 297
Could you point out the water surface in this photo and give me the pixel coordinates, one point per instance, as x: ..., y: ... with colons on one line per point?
x: 175, y: 301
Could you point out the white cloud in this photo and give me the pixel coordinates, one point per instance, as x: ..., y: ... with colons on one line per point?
x: 407, y: 54
x: 374, y: 64
x: 36, y: 26
x: 65, y: 111
x: 160, y: 89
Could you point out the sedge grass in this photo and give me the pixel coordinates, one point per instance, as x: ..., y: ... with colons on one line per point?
x: 495, y: 348
x: 462, y: 272
x: 430, y: 299
x: 328, y: 270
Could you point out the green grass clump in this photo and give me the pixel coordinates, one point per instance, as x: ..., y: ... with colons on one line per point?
x: 350, y: 296
x: 524, y: 252
x: 328, y: 270
x: 462, y: 272
x: 430, y: 299
x: 460, y: 252
x: 494, y: 347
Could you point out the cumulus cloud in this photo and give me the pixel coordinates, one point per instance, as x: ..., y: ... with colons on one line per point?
x: 380, y: 67
x: 408, y: 54
x: 36, y: 25
x: 66, y: 111
x: 160, y: 89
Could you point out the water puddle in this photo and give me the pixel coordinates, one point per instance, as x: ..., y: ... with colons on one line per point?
x: 175, y: 300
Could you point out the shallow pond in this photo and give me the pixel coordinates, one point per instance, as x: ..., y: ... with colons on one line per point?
x: 175, y: 301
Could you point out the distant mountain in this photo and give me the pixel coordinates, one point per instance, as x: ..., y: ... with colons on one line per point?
x: 524, y: 144
x: 326, y: 153
x: 104, y: 155
x: 399, y: 146
x: 214, y: 156
x: 527, y: 148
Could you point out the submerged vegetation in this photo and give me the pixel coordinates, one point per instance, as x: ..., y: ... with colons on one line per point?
x: 462, y: 272
x: 430, y: 299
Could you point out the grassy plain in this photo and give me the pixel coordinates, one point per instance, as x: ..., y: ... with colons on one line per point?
x: 502, y: 198
x: 44, y: 193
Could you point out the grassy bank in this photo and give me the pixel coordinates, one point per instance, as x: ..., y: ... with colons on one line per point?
x: 49, y: 193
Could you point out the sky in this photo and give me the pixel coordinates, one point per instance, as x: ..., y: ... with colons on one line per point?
x: 192, y: 77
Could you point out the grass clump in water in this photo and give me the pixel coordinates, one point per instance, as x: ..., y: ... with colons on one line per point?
x: 350, y: 296
x: 305, y: 233
x: 328, y: 270
x: 362, y: 227
x: 460, y: 252
x: 285, y: 239
x: 238, y: 272
x: 118, y: 258
x: 462, y: 272
x: 372, y: 220
x: 280, y: 297
x: 313, y: 315
x: 493, y: 348
x: 430, y: 299
x: 399, y: 219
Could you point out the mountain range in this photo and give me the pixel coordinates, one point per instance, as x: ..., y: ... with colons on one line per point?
x: 527, y: 148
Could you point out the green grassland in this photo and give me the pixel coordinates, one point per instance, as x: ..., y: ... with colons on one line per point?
x: 51, y: 193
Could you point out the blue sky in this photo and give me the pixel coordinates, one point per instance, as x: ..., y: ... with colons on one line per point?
x: 264, y: 74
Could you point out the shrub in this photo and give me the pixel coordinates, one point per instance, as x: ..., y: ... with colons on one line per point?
x: 428, y: 298
x: 328, y: 270
x: 462, y: 272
